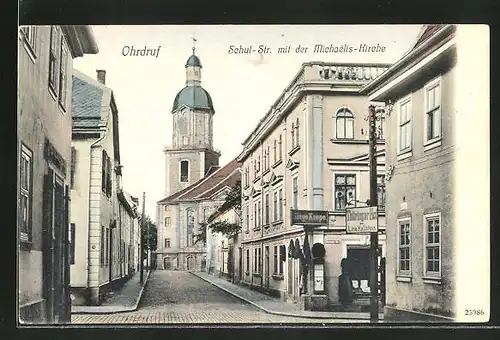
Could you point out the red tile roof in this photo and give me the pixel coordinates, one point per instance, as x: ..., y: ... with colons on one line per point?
x: 210, y: 184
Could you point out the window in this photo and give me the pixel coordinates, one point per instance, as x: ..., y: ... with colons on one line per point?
x: 255, y: 259
x: 405, y: 126
x: 295, y: 193
x: 280, y: 204
x: 268, y: 157
x: 404, y: 257
x: 206, y: 214
x: 280, y: 148
x: 103, y: 246
x: 258, y: 163
x: 106, y: 185
x: 259, y: 215
x: 30, y: 34
x: 275, y: 146
x: 73, y: 166
x: 264, y: 159
x: 297, y: 136
x: 433, y: 110
x: 108, y: 243
x: 345, y: 191
x: 281, y: 260
x: 432, y: 245
x: 292, y: 132
x: 266, y: 209
x: 63, y: 82
x: 167, y: 243
x: 72, y: 241
x: 255, y: 220
x: 26, y: 192
x: 167, y: 221
x: 275, y: 206
x: 53, y: 60
x: 275, y: 267
x: 248, y: 260
x: 381, y: 192
x: 190, y: 226
x: 247, y: 219
x: 259, y: 258
x: 345, y: 124
x: 184, y: 171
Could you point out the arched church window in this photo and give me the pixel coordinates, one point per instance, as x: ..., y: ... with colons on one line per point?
x: 184, y: 171
x: 345, y: 124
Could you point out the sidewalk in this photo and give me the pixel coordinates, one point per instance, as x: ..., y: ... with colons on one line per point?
x: 274, y: 305
x: 125, y: 300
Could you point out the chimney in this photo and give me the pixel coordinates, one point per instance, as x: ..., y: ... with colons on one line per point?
x: 101, y: 76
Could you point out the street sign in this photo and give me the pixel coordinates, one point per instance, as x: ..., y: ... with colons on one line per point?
x: 362, y: 220
x: 309, y: 217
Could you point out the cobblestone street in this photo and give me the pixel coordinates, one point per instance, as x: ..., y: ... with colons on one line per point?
x: 174, y: 297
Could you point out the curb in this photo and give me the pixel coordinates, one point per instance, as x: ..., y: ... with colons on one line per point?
x: 346, y: 317
x: 118, y: 310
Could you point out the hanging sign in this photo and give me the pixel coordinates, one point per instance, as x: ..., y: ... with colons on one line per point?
x: 309, y: 217
x: 362, y: 220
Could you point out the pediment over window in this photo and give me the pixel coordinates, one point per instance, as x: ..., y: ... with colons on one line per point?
x: 275, y: 179
x: 292, y: 164
x: 254, y: 192
x: 264, y: 183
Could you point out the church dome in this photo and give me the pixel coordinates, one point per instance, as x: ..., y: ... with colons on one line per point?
x: 193, y: 61
x: 195, y: 97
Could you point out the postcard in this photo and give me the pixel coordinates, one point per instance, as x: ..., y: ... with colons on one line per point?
x: 253, y: 174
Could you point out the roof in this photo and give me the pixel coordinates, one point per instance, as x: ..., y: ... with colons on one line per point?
x: 193, y: 96
x: 86, y: 103
x: 426, y: 32
x: 226, y: 176
x: 193, y: 61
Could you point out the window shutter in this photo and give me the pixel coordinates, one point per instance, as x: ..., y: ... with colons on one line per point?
x: 47, y: 231
x: 73, y: 166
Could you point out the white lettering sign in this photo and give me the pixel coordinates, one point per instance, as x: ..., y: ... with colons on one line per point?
x: 362, y: 220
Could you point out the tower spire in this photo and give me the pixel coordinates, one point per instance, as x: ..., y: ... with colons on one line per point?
x: 194, y: 41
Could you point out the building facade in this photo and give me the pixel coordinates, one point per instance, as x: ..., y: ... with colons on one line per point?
x: 45, y: 65
x: 181, y: 215
x: 310, y: 152
x: 101, y: 239
x: 420, y: 154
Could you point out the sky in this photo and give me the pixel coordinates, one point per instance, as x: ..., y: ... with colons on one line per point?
x: 242, y: 86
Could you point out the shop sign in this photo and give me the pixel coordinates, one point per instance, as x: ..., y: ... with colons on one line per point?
x: 362, y: 220
x: 309, y: 217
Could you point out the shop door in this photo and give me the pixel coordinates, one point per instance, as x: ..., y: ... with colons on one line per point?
x: 359, y: 262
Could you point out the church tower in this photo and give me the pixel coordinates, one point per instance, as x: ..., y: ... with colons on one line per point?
x: 191, y: 154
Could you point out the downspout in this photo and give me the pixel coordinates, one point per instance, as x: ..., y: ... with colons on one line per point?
x: 93, y: 145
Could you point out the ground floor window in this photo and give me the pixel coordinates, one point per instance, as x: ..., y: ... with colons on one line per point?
x: 432, y: 229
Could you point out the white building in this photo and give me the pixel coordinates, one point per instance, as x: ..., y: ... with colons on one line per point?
x: 99, y: 257
x: 310, y: 152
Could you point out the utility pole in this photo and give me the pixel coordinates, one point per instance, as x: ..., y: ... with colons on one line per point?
x: 142, y: 239
x: 372, y: 142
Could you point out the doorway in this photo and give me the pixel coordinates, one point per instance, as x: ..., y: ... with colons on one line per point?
x: 358, y: 258
x: 190, y: 263
x: 266, y: 266
x: 167, y: 263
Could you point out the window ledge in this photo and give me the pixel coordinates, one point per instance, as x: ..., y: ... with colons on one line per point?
x: 278, y: 277
x: 257, y: 274
x: 52, y: 92
x: 278, y: 162
x: 247, y: 231
x: 432, y: 280
x: 256, y: 229
x: 256, y: 179
x: 25, y: 245
x: 246, y: 186
x: 266, y: 172
x: 247, y: 273
x: 431, y: 144
x: 266, y: 225
x: 277, y: 222
x: 31, y: 53
x: 62, y: 108
x: 405, y: 155
x: 294, y: 150
x: 403, y: 278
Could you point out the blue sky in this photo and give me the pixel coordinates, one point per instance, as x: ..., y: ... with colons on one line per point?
x: 242, y: 86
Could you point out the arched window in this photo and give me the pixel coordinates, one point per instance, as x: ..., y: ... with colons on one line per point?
x: 184, y: 171
x: 206, y: 214
x: 189, y: 225
x: 345, y: 124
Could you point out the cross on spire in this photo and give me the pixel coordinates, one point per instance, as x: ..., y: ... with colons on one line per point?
x: 194, y: 41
